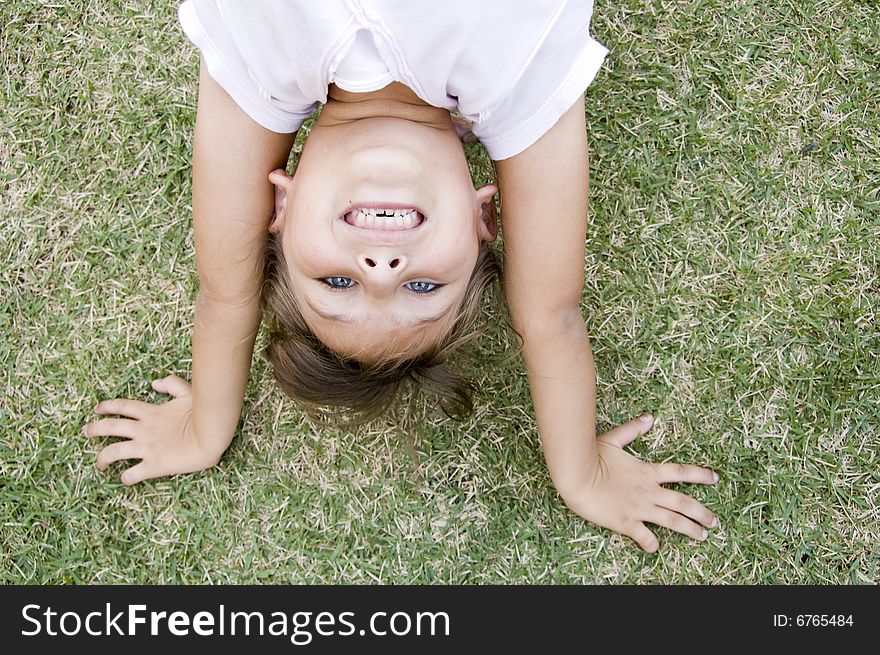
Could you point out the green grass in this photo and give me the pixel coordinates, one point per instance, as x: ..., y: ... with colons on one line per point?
x: 732, y: 289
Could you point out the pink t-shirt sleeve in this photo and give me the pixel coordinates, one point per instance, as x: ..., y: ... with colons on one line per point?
x: 204, y: 24
x: 560, y: 71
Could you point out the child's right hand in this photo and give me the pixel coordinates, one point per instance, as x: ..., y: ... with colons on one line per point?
x: 625, y: 493
x: 161, y: 436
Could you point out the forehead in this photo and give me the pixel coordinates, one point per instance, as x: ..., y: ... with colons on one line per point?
x: 373, y: 337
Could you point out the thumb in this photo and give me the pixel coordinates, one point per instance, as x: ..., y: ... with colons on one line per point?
x: 173, y: 386
x: 626, y: 433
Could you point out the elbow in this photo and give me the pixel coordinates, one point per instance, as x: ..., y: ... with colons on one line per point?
x: 549, y: 322
x: 227, y: 296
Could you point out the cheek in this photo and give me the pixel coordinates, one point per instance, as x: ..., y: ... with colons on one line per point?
x: 304, y: 266
x: 310, y: 252
x: 456, y: 254
x: 312, y: 264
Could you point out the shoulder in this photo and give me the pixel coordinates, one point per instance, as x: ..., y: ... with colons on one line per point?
x: 249, y: 50
x: 563, y: 65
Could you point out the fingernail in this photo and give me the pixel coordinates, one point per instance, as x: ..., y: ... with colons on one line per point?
x: 646, y: 418
x: 714, y: 523
x: 85, y: 430
x: 705, y: 535
x: 715, y: 478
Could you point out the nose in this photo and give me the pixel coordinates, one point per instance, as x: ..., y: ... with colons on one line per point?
x: 382, y: 269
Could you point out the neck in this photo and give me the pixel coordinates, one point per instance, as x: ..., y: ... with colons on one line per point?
x: 392, y: 101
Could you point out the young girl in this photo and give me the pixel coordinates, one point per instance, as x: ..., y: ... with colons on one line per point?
x: 377, y: 253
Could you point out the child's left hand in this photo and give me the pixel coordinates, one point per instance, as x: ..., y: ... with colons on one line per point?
x: 161, y: 436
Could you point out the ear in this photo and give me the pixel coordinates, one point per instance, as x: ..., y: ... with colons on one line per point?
x: 282, y: 182
x: 488, y: 213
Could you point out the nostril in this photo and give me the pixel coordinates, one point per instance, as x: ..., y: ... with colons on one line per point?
x: 393, y: 263
x: 371, y: 263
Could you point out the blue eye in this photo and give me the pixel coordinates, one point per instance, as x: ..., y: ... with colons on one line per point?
x: 339, y: 282
x: 421, y: 287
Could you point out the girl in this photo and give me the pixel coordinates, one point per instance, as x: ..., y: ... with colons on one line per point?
x: 377, y: 253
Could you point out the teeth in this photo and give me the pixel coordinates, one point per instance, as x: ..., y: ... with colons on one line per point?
x: 384, y: 219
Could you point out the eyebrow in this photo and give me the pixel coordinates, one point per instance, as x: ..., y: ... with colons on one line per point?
x: 348, y: 318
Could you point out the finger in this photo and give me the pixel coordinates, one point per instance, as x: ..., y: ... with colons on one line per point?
x: 626, y: 433
x: 684, y: 504
x: 117, y: 451
x: 123, y: 407
x: 135, y: 474
x: 678, y: 523
x: 173, y: 386
x: 111, y: 427
x: 644, y: 538
x: 685, y: 473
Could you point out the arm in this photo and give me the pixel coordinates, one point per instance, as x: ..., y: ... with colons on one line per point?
x: 544, y: 192
x: 233, y: 203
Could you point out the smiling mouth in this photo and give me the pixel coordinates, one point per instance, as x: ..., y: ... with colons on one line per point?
x: 384, y: 219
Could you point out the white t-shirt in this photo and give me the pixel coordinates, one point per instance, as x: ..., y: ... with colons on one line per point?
x: 511, y: 67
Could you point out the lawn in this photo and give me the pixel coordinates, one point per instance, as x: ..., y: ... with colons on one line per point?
x: 732, y: 290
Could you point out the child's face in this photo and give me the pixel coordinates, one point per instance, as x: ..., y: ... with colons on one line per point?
x: 370, y: 281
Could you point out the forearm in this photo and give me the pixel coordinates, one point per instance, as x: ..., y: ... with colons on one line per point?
x: 562, y: 379
x: 223, y: 343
